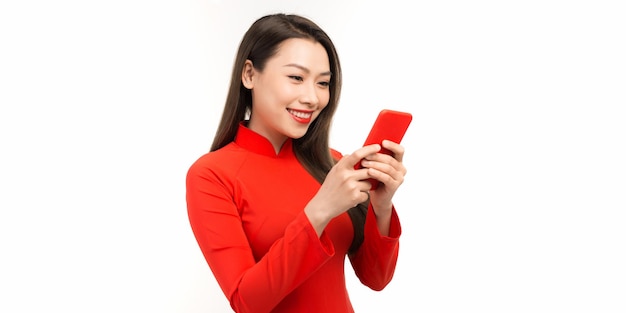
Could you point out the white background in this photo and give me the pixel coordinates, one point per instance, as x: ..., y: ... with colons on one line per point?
x: 515, y: 196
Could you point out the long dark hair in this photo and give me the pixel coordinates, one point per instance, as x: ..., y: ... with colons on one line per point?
x: 259, y: 44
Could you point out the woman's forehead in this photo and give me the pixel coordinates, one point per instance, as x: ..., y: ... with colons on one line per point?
x: 305, y: 53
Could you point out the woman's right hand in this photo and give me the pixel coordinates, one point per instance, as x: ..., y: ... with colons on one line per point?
x: 343, y: 188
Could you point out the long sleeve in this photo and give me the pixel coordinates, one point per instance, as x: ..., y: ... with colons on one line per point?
x: 249, y: 285
x: 375, y: 261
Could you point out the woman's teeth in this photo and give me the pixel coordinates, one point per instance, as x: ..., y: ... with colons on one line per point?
x: 299, y: 114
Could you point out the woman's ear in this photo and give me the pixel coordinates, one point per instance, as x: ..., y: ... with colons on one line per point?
x: 246, y: 74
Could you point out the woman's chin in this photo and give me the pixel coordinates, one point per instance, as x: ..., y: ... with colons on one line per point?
x: 298, y: 134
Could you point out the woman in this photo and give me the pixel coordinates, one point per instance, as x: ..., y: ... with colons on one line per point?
x: 274, y: 210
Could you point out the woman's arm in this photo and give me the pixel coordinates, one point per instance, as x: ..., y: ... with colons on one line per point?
x: 374, y: 262
x: 250, y: 286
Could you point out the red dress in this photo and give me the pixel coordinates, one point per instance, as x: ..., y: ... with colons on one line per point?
x: 246, y: 209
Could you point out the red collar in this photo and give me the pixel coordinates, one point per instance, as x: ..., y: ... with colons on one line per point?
x: 254, y: 142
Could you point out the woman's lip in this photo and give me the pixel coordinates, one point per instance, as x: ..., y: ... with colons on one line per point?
x: 299, y: 110
x: 301, y: 116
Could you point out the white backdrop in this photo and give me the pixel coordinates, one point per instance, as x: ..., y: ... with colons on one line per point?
x: 515, y: 196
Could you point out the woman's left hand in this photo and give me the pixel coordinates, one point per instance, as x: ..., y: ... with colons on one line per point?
x: 389, y: 171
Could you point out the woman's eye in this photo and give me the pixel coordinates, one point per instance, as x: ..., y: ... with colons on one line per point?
x: 324, y: 84
x: 298, y: 78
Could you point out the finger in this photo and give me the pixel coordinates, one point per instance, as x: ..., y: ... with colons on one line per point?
x: 397, y: 149
x: 360, y: 154
x: 360, y: 197
x: 383, y: 162
x: 367, y: 192
x: 385, y: 165
x: 364, y: 196
x: 365, y: 185
x: 361, y: 174
x: 357, y: 193
x: 392, y: 180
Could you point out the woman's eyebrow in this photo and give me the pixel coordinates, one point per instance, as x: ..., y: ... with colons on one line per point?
x: 306, y: 70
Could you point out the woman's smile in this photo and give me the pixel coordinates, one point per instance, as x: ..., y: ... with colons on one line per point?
x: 301, y: 116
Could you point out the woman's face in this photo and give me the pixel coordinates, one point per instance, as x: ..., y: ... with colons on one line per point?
x: 290, y: 92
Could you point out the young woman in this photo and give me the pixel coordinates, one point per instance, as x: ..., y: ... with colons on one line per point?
x: 273, y: 208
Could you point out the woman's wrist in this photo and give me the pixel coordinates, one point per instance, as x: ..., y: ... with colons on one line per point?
x: 317, y: 217
x: 382, y: 208
x: 383, y: 217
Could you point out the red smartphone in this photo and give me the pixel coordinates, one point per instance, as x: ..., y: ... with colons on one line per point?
x: 390, y: 125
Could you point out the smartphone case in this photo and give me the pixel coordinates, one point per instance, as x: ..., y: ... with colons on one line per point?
x: 390, y: 125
